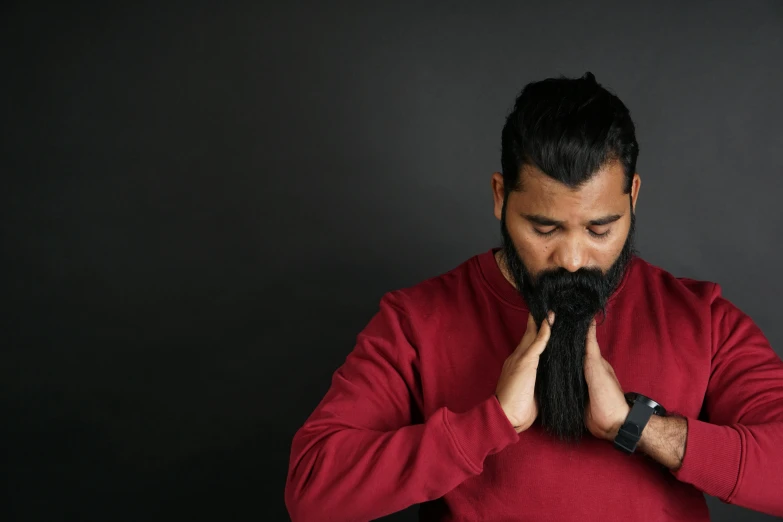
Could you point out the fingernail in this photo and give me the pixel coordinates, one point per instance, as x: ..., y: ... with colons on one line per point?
x: 551, y: 317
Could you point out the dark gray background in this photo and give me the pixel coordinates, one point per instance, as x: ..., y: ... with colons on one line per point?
x: 202, y: 205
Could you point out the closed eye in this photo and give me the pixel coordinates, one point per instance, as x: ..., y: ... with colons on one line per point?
x: 596, y: 235
x: 544, y: 234
x: 599, y: 235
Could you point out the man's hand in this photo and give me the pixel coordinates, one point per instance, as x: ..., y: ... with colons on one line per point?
x: 607, y: 409
x: 517, y: 383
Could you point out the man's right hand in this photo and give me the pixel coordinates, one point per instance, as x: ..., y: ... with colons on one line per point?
x: 516, y: 386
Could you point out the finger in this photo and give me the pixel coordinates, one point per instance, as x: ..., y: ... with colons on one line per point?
x: 592, y: 350
x: 530, y: 331
x: 543, y: 334
x: 531, y: 325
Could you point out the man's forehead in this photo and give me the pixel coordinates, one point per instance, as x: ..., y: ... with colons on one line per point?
x: 601, y: 195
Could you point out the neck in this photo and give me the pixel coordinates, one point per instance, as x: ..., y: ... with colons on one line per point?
x: 500, y: 259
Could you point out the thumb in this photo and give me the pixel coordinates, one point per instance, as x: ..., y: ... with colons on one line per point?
x: 592, y: 350
x: 544, y: 332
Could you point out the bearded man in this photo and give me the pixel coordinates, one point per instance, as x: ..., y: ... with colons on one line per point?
x: 559, y: 376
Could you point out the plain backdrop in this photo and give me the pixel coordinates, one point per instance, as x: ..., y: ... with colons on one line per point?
x: 202, y: 204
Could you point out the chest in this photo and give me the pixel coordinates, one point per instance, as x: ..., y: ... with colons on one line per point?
x: 651, y: 353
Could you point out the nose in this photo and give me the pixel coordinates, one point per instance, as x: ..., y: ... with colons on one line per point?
x: 570, y: 254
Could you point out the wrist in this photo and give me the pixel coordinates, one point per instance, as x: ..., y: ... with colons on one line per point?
x: 642, y: 413
x: 618, y: 424
x: 514, y: 424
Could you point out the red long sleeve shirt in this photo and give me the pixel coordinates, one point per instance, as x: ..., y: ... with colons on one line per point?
x: 411, y: 416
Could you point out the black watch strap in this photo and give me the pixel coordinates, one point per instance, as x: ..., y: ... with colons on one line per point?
x: 631, y: 431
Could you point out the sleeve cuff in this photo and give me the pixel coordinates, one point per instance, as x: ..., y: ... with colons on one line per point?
x: 712, y: 458
x: 483, y: 430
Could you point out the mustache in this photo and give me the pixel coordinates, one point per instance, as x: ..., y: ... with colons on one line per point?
x: 571, y: 295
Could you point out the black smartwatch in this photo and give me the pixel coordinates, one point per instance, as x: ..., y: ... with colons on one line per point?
x: 642, y: 408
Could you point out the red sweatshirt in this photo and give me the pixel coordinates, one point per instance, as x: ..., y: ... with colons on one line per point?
x: 411, y: 416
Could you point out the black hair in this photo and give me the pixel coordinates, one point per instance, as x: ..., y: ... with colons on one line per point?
x: 568, y: 128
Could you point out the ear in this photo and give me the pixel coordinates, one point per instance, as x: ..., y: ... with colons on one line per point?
x: 497, y: 194
x: 636, y: 184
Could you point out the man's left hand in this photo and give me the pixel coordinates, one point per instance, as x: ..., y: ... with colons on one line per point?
x: 606, y: 409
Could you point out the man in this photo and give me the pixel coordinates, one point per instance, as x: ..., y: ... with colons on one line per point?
x: 497, y: 391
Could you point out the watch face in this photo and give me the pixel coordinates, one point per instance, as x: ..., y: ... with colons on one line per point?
x: 633, y: 397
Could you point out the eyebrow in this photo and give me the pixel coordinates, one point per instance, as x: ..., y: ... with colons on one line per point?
x: 549, y: 222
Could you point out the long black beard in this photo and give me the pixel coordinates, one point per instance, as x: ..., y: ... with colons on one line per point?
x: 575, y: 297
